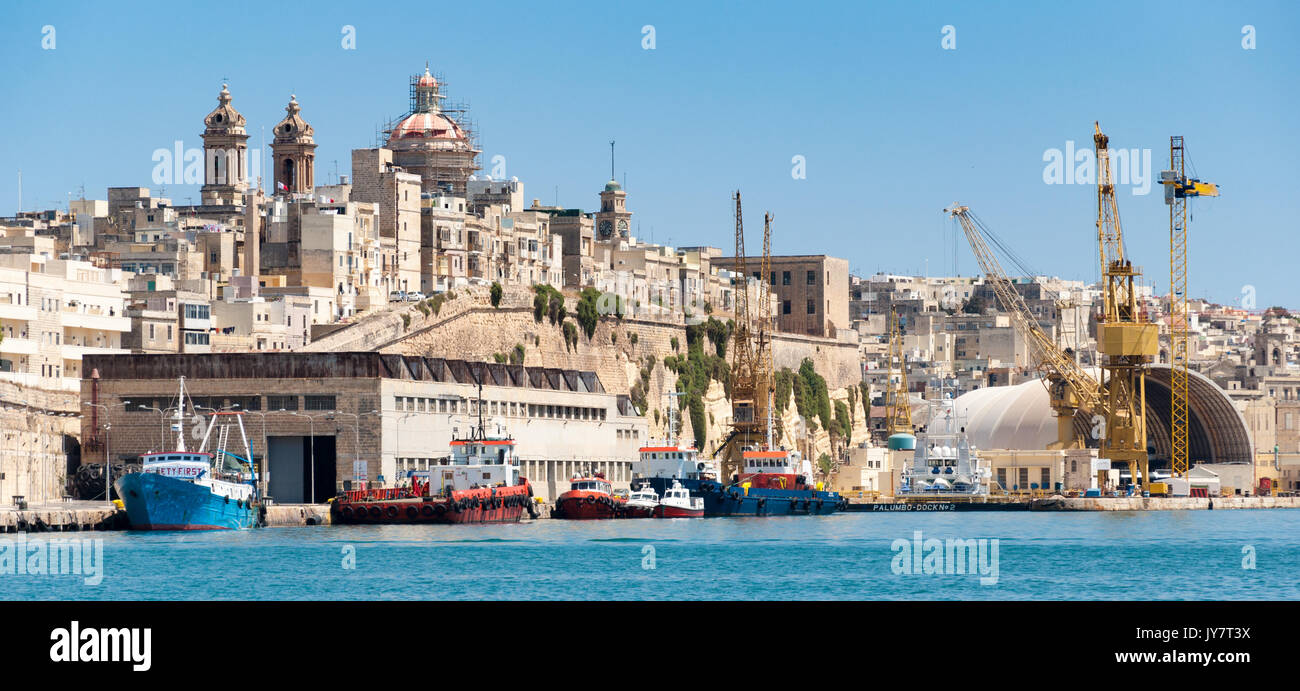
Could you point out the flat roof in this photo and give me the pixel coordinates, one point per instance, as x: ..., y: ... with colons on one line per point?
x: 336, y: 365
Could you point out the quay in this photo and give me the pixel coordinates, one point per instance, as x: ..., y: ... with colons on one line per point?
x: 1162, y: 503
x: 63, y: 517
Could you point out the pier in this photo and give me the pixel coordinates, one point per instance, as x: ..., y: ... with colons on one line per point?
x: 62, y: 517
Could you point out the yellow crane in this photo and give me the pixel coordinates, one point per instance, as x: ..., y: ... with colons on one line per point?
x: 899, y: 413
x: 1178, y: 188
x: 1069, y: 386
x: 1126, y: 341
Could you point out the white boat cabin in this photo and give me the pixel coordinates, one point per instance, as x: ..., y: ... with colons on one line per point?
x: 488, y: 462
x: 670, y: 461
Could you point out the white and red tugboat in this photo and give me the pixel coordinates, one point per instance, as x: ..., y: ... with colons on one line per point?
x: 481, y: 484
x: 592, y: 497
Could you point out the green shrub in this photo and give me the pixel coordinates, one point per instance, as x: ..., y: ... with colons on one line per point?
x: 495, y: 294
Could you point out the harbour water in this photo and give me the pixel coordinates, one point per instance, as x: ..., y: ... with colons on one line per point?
x: 1086, y: 556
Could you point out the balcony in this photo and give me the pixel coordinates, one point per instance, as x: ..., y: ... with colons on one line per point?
x: 98, y: 322
x: 8, y: 310
x: 18, y: 346
x: 76, y: 352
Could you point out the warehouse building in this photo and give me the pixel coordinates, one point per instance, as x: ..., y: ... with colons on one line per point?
x: 325, y: 420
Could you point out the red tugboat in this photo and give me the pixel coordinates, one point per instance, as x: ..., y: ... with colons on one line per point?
x: 481, y: 484
x: 592, y: 497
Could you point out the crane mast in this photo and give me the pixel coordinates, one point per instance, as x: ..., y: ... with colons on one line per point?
x: 899, y: 419
x: 751, y: 368
x: 1069, y: 386
x: 1177, y: 189
x: 1125, y: 339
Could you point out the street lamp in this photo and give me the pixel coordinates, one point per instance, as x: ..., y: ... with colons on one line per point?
x: 266, y: 453
x: 162, y: 414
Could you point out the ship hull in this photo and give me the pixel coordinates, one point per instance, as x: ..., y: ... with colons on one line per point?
x: 756, y: 501
x: 583, y: 506
x: 485, y: 505
x: 157, y: 502
x: 663, y: 511
x: 939, y: 505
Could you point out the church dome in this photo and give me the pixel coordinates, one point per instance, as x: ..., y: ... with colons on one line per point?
x: 426, y: 126
x: 613, y: 186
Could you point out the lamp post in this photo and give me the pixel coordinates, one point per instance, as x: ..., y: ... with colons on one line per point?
x: 398, y: 450
x: 263, y: 474
x: 162, y: 416
x: 380, y: 454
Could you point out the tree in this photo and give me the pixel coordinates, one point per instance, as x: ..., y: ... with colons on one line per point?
x: 974, y: 305
x: 495, y: 294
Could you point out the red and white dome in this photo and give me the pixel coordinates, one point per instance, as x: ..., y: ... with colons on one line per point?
x: 426, y: 126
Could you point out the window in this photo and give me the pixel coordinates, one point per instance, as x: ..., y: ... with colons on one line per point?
x: 1002, y: 477
x: 812, y: 277
x: 785, y: 307
x: 785, y: 278
x: 282, y: 402
x: 318, y: 403
x: 812, y: 307
x: 1024, y: 478
x: 1045, y: 478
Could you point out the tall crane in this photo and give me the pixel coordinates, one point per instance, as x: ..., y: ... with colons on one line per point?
x: 1069, y: 386
x: 751, y: 367
x: 1178, y: 188
x: 1125, y: 339
x: 899, y: 420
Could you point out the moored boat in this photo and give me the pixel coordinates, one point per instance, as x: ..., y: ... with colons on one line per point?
x: 480, y: 483
x: 193, y: 490
x: 677, y: 502
x: 591, y: 497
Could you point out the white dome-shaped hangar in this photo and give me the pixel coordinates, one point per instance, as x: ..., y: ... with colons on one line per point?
x: 1020, y: 418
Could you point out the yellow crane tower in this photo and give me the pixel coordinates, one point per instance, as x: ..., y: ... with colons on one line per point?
x: 899, y: 420
x: 1178, y: 188
x: 1125, y: 339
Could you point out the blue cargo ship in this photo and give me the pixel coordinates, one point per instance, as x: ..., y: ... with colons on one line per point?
x: 193, y: 490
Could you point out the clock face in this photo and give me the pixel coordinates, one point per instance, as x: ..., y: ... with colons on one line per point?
x: 622, y: 227
x: 606, y: 229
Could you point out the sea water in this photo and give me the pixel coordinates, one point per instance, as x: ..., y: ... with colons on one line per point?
x: 1196, y: 555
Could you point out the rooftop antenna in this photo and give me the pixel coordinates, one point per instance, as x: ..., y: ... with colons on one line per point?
x: 611, y: 159
x: 20, y: 191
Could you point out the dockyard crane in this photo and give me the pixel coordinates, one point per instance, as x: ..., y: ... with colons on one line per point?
x: 899, y: 412
x: 751, y: 366
x: 1178, y: 188
x: 1126, y: 340
x: 1069, y: 386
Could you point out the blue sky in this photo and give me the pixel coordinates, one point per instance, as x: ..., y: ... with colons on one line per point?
x: 893, y: 127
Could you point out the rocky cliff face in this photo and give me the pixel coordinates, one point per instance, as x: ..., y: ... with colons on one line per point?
x: 627, y: 354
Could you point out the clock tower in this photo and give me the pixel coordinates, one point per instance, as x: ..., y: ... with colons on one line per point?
x: 613, y: 220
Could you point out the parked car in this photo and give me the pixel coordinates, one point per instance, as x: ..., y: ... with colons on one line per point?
x: 397, y: 296
x: 415, y: 296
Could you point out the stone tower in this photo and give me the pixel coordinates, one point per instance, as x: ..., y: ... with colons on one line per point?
x: 225, y: 154
x: 294, y: 153
x: 613, y: 220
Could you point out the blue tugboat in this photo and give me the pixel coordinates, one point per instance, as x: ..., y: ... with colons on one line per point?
x: 193, y: 490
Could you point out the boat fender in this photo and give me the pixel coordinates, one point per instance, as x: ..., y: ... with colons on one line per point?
x: 591, y: 499
x: 412, y: 512
x: 347, y: 512
x: 227, y: 499
x: 735, y: 496
x: 428, y: 510
x: 374, y: 511
x: 392, y: 511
